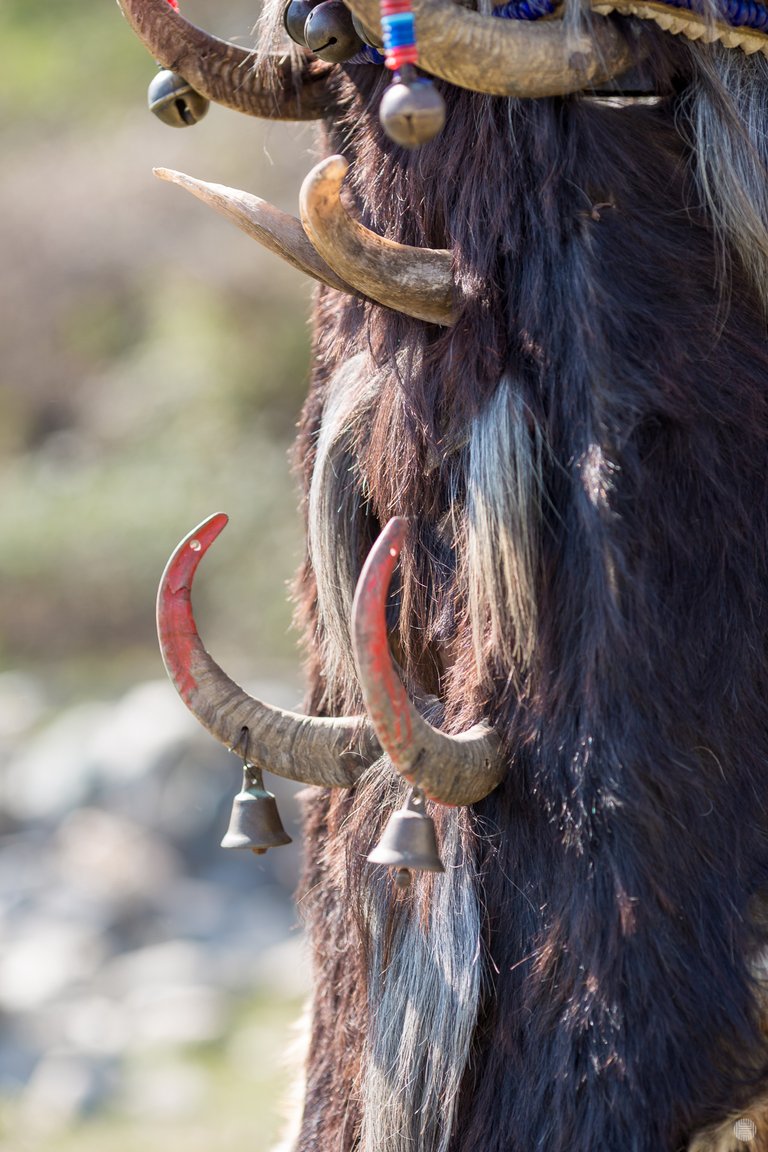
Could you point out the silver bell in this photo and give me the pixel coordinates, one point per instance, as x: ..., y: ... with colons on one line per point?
x: 255, y: 821
x: 408, y: 842
x: 412, y: 111
x: 174, y: 101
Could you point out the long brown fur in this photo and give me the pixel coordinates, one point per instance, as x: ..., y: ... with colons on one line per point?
x: 583, y: 461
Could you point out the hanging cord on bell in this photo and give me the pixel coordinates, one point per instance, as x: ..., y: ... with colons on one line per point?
x: 172, y: 99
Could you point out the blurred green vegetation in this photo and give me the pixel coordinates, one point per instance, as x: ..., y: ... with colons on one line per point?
x: 63, y: 60
x: 242, y: 1102
x: 153, y: 361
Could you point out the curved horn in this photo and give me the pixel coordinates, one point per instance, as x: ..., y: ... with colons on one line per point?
x: 226, y: 73
x: 416, y: 281
x: 510, y: 57
x: 331, y: 753
x: 452, y: 769
x: 276, y: 230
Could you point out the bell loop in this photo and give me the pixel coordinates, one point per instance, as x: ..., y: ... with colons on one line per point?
x: 253, y: 776
x: 415, y: 799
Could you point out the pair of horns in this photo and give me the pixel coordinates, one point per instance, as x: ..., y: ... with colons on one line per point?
x: 482, y: 53
x: 329, y: 752
x: 333, y: 248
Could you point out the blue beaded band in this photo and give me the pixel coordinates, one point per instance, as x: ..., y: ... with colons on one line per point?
x: 398, y: 30
x: 367, y: 55
x: 736, y: 13
x: 525, y: 9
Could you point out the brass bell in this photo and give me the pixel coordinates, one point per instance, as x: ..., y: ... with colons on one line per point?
x: 408, y: 842
x: 295, y: 17
x: 330, y: 34
x: 412, y: 111
x: 174, y: 101
x: 255, y: 822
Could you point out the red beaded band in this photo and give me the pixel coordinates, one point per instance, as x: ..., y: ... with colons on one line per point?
x: 395, y: 59
x: 399, y: 33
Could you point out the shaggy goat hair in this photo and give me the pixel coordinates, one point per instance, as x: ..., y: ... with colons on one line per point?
x: 583, y: 459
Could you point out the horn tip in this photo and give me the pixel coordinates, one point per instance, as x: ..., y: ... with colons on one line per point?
x: 201, y: 538
x: 395, y: 530
x: 171, y: 176
x: 334, y: 168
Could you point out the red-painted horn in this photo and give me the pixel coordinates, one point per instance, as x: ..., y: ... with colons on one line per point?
x: 454, y: 769
x: 329, y: 752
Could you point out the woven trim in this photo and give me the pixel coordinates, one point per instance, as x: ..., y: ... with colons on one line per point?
x: 693, y: 25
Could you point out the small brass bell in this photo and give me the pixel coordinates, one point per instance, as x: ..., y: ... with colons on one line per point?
x: 174, y: 101
x: 412, y: 111
x: 408, y: 842
x: 255, y: 822
x: 330, y: 33
x: 295, y: 17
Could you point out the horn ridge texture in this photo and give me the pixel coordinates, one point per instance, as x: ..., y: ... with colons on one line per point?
x: 226, y: 73
x: 510, y: 57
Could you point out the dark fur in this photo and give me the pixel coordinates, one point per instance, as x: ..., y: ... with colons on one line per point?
x: 615, y: 867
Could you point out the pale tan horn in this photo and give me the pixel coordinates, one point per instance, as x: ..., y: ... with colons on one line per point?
x: 331, y: 753
x: 460, y: 769
x: 510, y: 57
x: 278, y: 231
x: 226, y: 73
x: 416, y: 281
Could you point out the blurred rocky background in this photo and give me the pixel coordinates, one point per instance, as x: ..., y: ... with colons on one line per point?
x: 152, y: 365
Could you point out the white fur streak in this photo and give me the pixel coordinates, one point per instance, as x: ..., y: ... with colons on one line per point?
x: 335, y: 499
x: 729, y: 114
x: 503, y: 491
x: 425, y: 983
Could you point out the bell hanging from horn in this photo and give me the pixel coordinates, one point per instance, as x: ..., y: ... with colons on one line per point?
x: 408, y: 842
x: 174, y: 101
x: 255, y: 822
